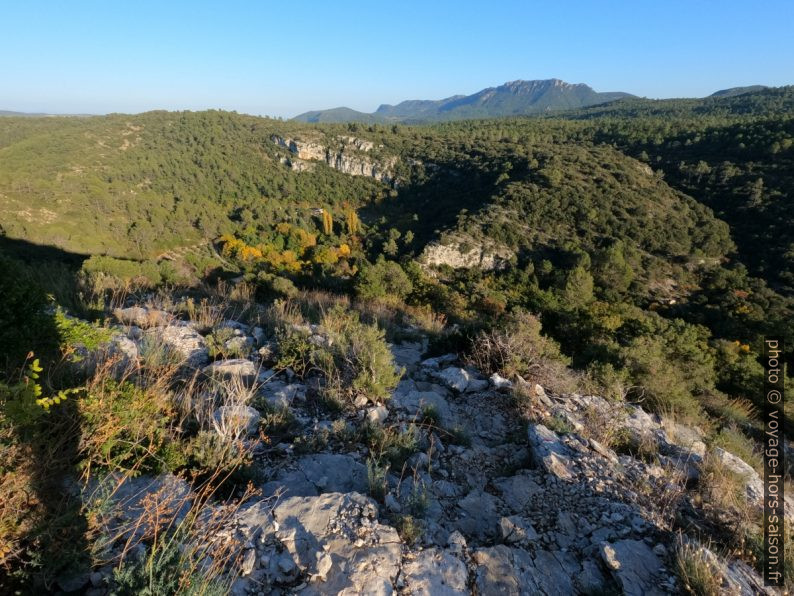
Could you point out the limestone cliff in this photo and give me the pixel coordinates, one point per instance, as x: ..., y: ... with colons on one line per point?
x: 465, y: 253
x: 347, y: 155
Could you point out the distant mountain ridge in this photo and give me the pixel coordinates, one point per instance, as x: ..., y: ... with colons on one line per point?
x: 734, y: 91
x: 515, y: 98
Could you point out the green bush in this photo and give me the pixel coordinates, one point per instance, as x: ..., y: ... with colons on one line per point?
x: 144, y: 273
x: 384, y: 279
x: 358, y: 360
x: 75, y: 333
x: 126, y: 427
x: 165, y: 571
x: 517, y: 347
x: 25, y: 325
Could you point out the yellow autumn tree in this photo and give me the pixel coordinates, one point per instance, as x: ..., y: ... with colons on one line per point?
x: 328, y: 222
x: 353, y: 224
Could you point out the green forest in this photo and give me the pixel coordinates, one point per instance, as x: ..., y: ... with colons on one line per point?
x: 645, y: 233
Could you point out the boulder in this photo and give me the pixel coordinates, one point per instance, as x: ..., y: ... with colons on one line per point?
x: 516, y: 491
x: 455, y: 378
x: 413, y: 402
x: 407, y: 354
x: 377, y: 415
x: 320, y: 473
x: 549, y: 453
x: 142, y: 316
x: 517, y: 530
x: 281, y: 395
x: 234, y: 368
x: 504, y: 570
x: 125, y: 506
x: 242, y: 344
x: 477, y: 385
x: 477, y: 515
x: 437, y: 362
x: 186, y: 343
x: 633, y: 565
x: 500, y: 383
x: 364, y: 554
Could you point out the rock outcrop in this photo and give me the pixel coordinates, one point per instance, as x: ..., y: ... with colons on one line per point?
x: 463, y: 253
x: 471, y: 499
x: 348, y: 155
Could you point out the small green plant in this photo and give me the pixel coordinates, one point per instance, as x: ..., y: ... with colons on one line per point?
x: 430, y: 416
x: 377, y: 479
x: 75, y: 333
x: 558, y: 424
x: 166, y: 569
x: 359, y: 360
x: 390, y: 444
x: 720, y: 486
x: 219, y: 347
x: 277, y: 423
x: 23, y: 402
x: 457, y: 436
x: 419, y: 500
x: 409, y: 529
x: 208, y: 453
x: 126, y: 427
x: 643, y: 447
x: 294, y: 350
x: 157, y: 355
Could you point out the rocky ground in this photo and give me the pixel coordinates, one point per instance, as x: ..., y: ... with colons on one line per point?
x: 489, y: 502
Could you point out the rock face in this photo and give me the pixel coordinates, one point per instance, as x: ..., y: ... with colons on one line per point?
x: 364, y: 554
x: 465, y: 254
x: 348, y: 156
x: 634, y: 565
x: 316, y: 474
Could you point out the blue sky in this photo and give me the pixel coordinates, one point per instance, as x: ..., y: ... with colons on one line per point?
x: 283, y: 58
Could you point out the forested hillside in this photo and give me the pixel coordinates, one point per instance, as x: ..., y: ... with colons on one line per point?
x: 209, y: 296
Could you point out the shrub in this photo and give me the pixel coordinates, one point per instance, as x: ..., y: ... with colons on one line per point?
x: 284, y: 287
x: 127, y: 427
x: 24, y: 323
x: 294, y: 350
x: 409, y: 529
x: 383, y: 279
x: 140, y: 273
x: 217, y: 344
x: 721, y: 487
x: 168, y: 571
x: 76, y: 334
x: 391, y: 445
x: 517, y: 347
x: 358, y: 360
x: 377, y: 479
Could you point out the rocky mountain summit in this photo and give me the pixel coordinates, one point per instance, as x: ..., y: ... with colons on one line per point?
x: 510, y: 99
x: 469, y: 498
